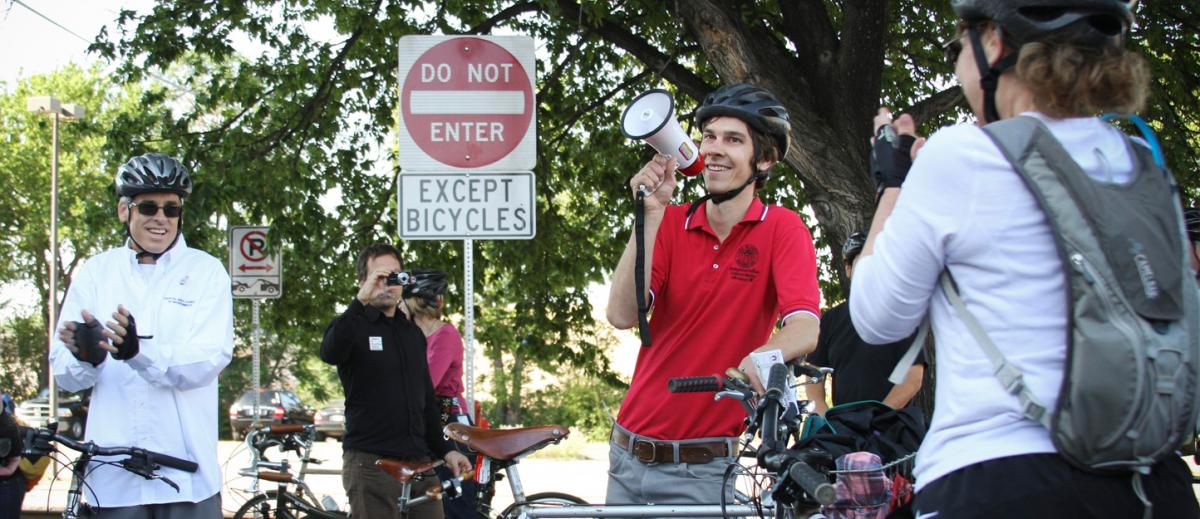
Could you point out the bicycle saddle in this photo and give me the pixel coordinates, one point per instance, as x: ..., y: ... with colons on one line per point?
x: 506, y: 444
x: 403, y: 471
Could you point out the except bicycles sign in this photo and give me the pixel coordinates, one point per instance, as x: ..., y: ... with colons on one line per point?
x: 467, y: 103
x: 255, y: 267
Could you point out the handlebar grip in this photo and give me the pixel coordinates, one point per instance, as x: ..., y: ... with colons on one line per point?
x: 286, y: 428
x: 172, y: 461
x: 777, y: 381
x: 705, y: 384
x: 812, y: 482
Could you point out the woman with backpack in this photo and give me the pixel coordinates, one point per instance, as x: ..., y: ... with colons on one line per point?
x: 967, y: 208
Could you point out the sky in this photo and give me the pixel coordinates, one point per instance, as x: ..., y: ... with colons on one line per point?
x: 35, y: 45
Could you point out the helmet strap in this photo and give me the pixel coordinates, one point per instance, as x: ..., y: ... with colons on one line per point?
x: 989, y: 75
x: 720, y: 198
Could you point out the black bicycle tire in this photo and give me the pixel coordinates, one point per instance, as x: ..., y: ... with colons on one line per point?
x: 552, y: 498
x: 270, y: 498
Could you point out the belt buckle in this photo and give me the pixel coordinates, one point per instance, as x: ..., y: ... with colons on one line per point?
x: 637, y: 452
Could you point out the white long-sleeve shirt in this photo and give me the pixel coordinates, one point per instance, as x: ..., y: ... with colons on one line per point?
x: 963, y: 206
x: 165, y: 398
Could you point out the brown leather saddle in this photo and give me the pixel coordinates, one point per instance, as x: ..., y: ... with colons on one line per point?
x: 506, y: 444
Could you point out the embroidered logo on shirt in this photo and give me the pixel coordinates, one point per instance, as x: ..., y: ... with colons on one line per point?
x: 745, y: 259
x: 747, y: 256
x: 376, y: 343
x: 180, y: 301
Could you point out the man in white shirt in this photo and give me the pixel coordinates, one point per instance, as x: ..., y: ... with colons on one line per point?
x: 169, y: 334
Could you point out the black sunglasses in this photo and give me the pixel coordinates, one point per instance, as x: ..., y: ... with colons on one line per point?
x: 952, y: 49
x: 151, y: 209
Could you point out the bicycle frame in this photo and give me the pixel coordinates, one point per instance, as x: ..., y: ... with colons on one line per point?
x: 765, y: 507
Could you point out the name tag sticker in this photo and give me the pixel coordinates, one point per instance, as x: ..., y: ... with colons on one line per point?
x: 376, y: 343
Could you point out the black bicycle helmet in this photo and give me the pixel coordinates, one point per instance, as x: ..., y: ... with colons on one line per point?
x: 755, y: 105
x: 427, y: 284
x: 853, y: 246
x: 1191, y: 217
x: 1091, y: 23
x: 153, y: 173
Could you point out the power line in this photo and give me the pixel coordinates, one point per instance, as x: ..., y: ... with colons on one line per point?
x: 56, y: 24
x: 153, y: 74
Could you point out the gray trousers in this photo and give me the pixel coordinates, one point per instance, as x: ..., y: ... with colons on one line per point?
x: 375, y: 494
x: 632, y: 482
x: 207, y: 509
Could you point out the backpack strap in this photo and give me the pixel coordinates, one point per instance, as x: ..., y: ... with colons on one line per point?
x: 1005, y: 372
x: 910, y: 357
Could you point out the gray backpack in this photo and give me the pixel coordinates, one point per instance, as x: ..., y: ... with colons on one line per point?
x: 1129, y: 391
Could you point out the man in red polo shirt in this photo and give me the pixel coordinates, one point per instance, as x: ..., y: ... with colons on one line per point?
x: 725, y: 270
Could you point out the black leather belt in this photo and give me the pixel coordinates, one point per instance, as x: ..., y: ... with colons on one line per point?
x: 657, y: 451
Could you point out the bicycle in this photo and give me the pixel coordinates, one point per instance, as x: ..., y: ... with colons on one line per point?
x: 295, y: 438
x: 302, y: 502
x: 794, y: 483
x: 143, y: 462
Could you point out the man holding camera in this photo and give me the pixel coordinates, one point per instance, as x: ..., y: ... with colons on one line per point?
x: 391, y: 411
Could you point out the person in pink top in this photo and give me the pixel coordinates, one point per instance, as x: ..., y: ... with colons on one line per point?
x: 423, y: 300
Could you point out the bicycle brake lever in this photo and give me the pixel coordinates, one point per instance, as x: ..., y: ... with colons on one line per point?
x: 146, y: 473
x: 729, y: 393
x: 168, y: 481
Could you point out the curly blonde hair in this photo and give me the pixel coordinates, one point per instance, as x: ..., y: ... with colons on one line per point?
x: 1072, y: 81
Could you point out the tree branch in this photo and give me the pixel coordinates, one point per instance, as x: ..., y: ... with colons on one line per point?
x: 510, y: 12
x: 806, y: 24
x: 655, y: 60
x: 936, y: 104
x: 566, y: 127
x: 860, y: 64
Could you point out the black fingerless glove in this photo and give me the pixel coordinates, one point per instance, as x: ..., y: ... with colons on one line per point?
x: 87, y: 343
x: 891, y: 158
x: 128, y: 348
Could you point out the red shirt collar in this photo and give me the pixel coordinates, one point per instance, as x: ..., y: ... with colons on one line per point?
x: 757, y: 212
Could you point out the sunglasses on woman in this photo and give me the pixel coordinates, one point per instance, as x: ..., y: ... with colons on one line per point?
x: 151, y: 209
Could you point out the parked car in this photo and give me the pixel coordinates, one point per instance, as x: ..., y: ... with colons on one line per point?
x: 71, y: 416
x: 276, y: 406
x: 331, y: 420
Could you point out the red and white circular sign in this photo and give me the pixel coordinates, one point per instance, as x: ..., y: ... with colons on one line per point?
x: 467, y: 102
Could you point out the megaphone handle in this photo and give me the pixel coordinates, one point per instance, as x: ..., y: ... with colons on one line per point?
x: 639, y: 268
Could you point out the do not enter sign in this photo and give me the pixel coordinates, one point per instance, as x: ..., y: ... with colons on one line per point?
x: 467, y: 103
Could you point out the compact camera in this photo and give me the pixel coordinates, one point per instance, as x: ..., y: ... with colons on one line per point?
x: 399, y: 278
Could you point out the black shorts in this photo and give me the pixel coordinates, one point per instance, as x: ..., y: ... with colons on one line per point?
x: 1046, y: 486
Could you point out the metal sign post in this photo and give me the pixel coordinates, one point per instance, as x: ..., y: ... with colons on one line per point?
x: 256, y: 356
x: 469, y: 322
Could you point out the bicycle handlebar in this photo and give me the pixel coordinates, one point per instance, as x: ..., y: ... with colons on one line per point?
x: 37, y: 440
x: 812, y: 482
x: 709, y: 384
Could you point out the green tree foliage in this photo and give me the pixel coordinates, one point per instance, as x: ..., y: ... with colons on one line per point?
x: 87, y: 205
x: 309, y: 117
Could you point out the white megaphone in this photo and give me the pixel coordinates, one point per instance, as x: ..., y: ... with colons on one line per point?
x: 651, y: 118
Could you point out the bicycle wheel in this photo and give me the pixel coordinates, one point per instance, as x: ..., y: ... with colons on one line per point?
x: 541, y: 500
x: 268, y: 506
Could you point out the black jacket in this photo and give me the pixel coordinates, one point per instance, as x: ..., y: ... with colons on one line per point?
x: 390, y: 406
